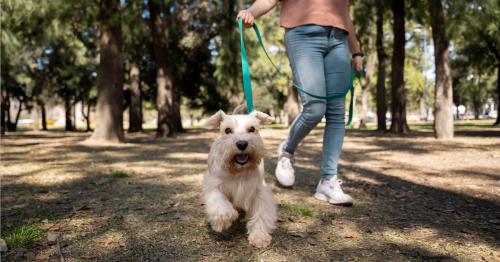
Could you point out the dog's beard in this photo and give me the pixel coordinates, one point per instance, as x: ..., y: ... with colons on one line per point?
x: 237, y: 161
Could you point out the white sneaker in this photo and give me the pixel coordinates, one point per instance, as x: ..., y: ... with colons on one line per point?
x: 330, y: 191
x: 284, y: 169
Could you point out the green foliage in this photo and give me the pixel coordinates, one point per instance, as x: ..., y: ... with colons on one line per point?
x: 22, y: 236
x: 299, y: 210
x: 119, y: 174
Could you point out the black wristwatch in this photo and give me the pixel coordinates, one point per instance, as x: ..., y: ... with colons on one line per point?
x: 358, y: 54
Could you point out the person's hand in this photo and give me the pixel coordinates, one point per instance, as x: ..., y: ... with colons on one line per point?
x: 357, y: 64
x: 247, y: 18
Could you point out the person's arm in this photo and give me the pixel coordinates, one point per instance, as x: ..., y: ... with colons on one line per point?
x: 258, y: 9
x: 353, y: 46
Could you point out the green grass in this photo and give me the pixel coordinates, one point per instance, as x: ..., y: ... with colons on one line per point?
x: 23, y: 236
x: 299, y: 210
x: 119, y: 174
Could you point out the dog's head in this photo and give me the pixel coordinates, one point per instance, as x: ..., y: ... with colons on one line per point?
x: 241, y: 148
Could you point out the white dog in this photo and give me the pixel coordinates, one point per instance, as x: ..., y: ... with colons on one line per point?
x: 235, y: 177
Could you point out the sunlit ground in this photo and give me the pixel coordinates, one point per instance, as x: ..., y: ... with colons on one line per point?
x: 416, y: 198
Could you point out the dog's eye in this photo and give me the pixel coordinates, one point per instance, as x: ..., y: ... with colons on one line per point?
x: 228, y: 131
x: 251, y: 129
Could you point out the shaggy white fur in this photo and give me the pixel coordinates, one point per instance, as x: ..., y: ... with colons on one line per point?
x: 235, y: 177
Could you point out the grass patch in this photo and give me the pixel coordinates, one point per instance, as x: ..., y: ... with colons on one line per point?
x: 119, y: 174
x: 299, y: 210
x: 23, y: 236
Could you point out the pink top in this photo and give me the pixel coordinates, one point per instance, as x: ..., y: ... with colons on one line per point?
x: 333, y: 13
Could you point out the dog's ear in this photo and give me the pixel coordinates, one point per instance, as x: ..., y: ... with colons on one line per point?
x: 264, y: 119
x: 215, y: 120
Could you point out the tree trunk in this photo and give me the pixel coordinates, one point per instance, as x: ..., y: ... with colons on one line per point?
x: 35, y: 116
x: 13, y: 126
x: 443, y: 116
x: 164, y: 95
x: 476, y: 109
x: 176, y: 108
x: 109, y: 125
x: 497, y: 122
x: 422, y: 105
x: 44, y: 117
x: 68, y: 107
x: 135, y: 117
x: 398, y: 99
x: 370, y: 67
x: 233, y: 98
x: 87, y: 117
x: 382, y: 71
x: 292, y: 103
x: 4, y: 105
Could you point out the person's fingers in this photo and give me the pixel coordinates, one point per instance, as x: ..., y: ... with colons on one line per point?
x: 247, y: 18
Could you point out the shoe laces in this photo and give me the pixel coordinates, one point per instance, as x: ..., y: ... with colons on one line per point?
x: 335, y: 185
x: 286, y: 162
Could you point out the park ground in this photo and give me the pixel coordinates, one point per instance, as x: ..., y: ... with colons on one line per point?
x: 416, y: 199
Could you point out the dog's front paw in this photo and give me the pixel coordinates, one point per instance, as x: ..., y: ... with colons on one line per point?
x: 223, y: 220
x: 259, y: 239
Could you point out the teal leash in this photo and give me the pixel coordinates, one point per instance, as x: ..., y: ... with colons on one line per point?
x: 247, y: 84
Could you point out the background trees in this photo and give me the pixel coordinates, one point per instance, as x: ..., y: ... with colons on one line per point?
x: 182, y: 58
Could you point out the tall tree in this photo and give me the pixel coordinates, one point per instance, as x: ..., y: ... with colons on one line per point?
x: 382, y: 68
x: 109, y: 126
x: 135, y: 118
x: 370, y: 68
x: 398, y: 99
x: 443, y: 123
x: 164, y: 75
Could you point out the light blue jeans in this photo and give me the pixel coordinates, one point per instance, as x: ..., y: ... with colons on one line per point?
x: 319, y: 57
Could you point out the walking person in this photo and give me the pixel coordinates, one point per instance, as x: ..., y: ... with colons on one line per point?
x: 461, y: 111
x: 319, y: 38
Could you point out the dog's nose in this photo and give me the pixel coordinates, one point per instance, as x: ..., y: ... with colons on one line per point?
x: 242, y: 145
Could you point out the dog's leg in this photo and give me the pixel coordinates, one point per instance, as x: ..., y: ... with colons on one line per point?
x: 263, y: 216
x: 220, y: 212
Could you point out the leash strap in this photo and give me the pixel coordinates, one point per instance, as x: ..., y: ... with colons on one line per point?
x: 247, y: 84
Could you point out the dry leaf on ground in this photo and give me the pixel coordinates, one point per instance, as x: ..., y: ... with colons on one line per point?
x: 232, y: 244
x: 324, y: 238
x: 88, y: 257
x: 42, y: 257
x: 48, y: 226
x: 312, y: 241
x: 447, y: 248
x: 352, y: 234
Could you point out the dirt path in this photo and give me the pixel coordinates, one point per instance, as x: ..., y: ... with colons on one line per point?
x: 415, y: 199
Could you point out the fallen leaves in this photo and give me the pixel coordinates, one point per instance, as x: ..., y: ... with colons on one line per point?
x: 447, y: 248
x: 324, y: 238
x: 42, y: 257
x: 48, y: 226
x: 353, y: 234
x: 89, y: 257
x: 232, y: 244
x: 311, y: 241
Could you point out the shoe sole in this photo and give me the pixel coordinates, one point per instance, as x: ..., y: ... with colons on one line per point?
x: 276, y: 171
x: 323, y: 197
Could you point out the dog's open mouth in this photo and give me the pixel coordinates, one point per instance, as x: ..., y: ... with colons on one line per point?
x: 241, y: 159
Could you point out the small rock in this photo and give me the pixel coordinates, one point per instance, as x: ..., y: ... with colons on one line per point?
x: 495, y: 221
x: 19, y: 254
x: 3, y: 246
x: 52, y: 237
x: 30, y: 255
x: 45, y: 221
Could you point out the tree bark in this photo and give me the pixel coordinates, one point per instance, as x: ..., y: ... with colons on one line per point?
x: 233, y: 98
x: 135, y: 117
x: 68, y: 108
x: 382, y: 71
x: 176, y: 108
x: 498, y: 94
x: 109, y: 126
x: 44, y: 117
x: 398, y: 99
x: 370, y: 68
x: 13, y: 126
x: 292, y: 104
x: 4, y: 104
x: 87, y: 117
x: 35, y: 115
x: 164, y: 94
x: 443, y: 120
x: 422, y: 105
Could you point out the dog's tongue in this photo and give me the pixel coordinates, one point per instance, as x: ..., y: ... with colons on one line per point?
x: 242, y: 158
